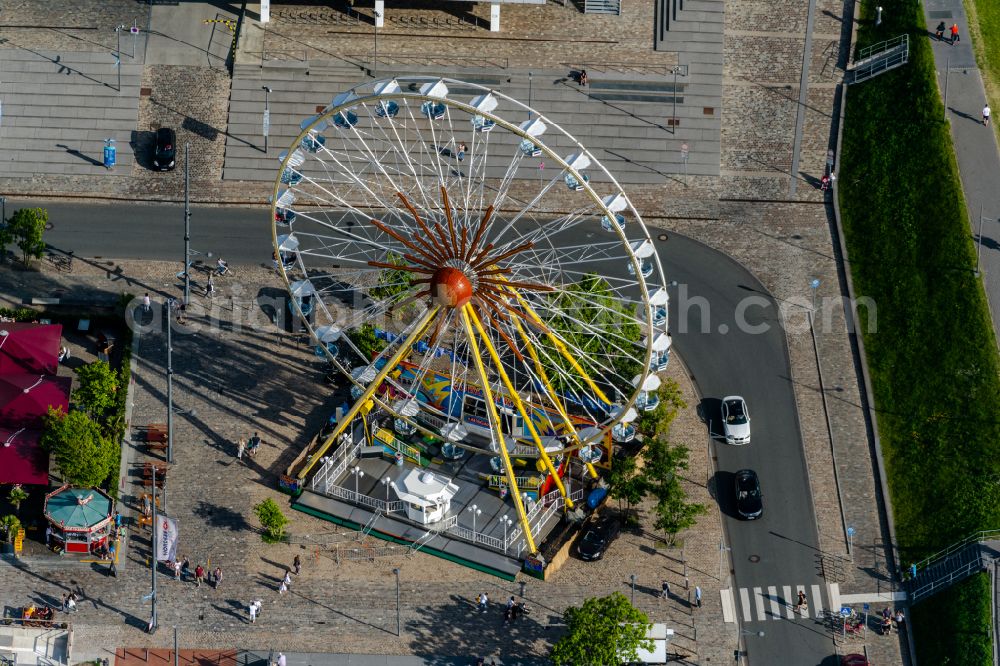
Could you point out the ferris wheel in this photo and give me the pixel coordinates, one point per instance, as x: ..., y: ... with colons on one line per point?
x: 472, y: 270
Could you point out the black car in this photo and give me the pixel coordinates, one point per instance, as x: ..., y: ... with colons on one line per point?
x: 164, y: 157
x: 749, y: 502
x: 596, y: 539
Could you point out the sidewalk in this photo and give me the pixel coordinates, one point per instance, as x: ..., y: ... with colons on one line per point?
x: 142, y: 657
x: 975, y: 145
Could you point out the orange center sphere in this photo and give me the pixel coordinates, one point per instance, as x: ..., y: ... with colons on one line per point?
x: 450, y: 288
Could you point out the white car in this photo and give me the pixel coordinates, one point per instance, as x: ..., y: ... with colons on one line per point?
x: 735, y: 420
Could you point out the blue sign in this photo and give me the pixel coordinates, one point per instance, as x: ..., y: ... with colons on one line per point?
x: 845, y: 611
x: 866, y: 607
x: 850, y: 531
x: 110, y: 153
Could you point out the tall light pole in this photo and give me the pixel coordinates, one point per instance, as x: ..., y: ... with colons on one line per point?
x: 475, y: 511
x: 118, y: 58
x: 739, y: 639
x: 152, y: 567
x: 358, y: 475
x: 398, y: 625
x: 529, y: 95
x: 187, y: 229
x: 168, y: 318
x: 386, y: 480
x: 507, y: 522
x: 378, y: 17
x: 267, y: 114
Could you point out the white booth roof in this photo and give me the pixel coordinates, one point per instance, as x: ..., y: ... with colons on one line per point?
x: 425, y: 488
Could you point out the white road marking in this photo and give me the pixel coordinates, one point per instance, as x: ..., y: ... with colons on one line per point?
x: 728, y: 605
x: 786, y: 591
x: 745, y: 599
x: 759, y: 598
x: 817, y: 601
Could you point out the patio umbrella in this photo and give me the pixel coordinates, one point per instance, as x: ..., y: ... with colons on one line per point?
x: 25, y: 399
x: 22, y: 460
x: 26, y: 347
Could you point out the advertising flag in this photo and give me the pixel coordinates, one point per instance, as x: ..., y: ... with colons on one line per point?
x: 166, y: 539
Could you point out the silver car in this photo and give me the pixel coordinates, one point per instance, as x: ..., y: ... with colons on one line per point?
x: 735, y: 420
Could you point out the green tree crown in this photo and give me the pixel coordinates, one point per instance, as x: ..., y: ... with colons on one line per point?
x: 605, y: 630
x: 25, y: 229
x: 271, y: 519
x: 84, y: 456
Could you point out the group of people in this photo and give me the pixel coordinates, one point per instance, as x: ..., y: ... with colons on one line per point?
x: 286, y: 581
x: 69, y: 602
x: 939, y: 32
x: 890, y: 618
x: 33, y: 616
x: 248, y: 447
x: 182, y: 571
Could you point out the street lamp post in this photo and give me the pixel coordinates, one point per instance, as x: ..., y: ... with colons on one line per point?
x: 267, y: 115
x: 398, y: 625
x: 507, y: 522
x: 152, y: 564
x: 168, y: 318
x: 475, y: 511
x: 118, y: 50
x: 386, y: 480
x: 378, y: 17
x: 358, y: 475
x: 529, y: 95
x: 739, y: 640
x: 633, y: 577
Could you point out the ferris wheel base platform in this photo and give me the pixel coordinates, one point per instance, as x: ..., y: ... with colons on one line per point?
x: 406, y: 534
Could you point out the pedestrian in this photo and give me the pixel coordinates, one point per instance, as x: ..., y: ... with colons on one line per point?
x: 282, y: 588
x: 886, y: 626
x: 697, y: 596
x: 913, y: 571
x: 241, y: 446
x: 281, y: 659
x: 253, y: 611
x: 177, y: 570
x: 48, y: 534
x: 583, y: 77
x: 886, y: 613
x: 954, y: 33
x: 221, y: 266
x: 146, y: 303
x: 986, y: 115
x: 802, y: 603
x: 297, y: 565
x: 665, y: 590
x: 483, y: 602
x: 63, y: 608
x: 900, y: 619
x: 210, y: 287
x: 461, y: 151
x: 199, y: 575
x: 70, y: 604
x: 939, y: 31
x: 217, y: 577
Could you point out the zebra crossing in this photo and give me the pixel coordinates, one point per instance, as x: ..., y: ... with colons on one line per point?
x: 777, y: 602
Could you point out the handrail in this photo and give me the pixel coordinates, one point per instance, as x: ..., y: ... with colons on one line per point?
x: 975, y: 537
x: 945, y: 580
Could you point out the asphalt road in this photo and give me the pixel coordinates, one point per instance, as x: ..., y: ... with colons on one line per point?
x: 779, y: 549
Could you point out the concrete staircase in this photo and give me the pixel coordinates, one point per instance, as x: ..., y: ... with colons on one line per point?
x: 58, y: 108
x: 30, y: 646
x: 623, y: 118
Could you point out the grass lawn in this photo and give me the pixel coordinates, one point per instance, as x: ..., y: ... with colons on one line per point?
x: 984, y: 19
x: 967, y: 640
x: 933, y: 357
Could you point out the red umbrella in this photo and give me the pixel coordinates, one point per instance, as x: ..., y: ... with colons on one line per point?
x: 26, y: 347
x: 25, y: 399
x: 22, y: 460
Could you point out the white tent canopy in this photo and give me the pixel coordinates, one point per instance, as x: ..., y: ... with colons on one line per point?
x: 437, y: 89
x: 484, y: 103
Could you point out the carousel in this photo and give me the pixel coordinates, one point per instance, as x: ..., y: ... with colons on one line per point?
x: 80, y: 518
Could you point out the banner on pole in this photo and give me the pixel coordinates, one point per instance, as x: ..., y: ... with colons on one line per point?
x: 166, y: 539
x: 265, y: 11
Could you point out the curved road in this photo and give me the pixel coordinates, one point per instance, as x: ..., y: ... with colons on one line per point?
x: 778, y: 550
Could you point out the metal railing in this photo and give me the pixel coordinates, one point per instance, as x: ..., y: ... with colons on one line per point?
x: 881, y: 57
x: 975, y: 537
x: 945, y: 580
x: 331, y: 470
x: 426, y: 60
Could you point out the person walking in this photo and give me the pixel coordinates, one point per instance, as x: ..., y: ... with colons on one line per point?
x: 199, y: 575
x: 241, y: 446
x: 281, y: 659
x: 177, y: 570
x: 986, y: 115
x: 71, y: 603
x: 210, y: 286
x: 63, y: 608
x: 146, y: 303
x: 697, y: 596
x: 217, y: 577
x: 287, y: 580
x: 803, y: 603
x: 954, y: 33
x: 483, y: 602
x: 665, y: 590
x: 253, y: 608
x: 282, y: 588
x: 461, y: 151
x: 900, y: 619
x: 297, y: 565
x: 939, y: 31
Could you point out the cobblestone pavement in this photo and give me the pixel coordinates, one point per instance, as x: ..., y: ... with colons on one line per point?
x: 235, y: 374
x: 70, y: 25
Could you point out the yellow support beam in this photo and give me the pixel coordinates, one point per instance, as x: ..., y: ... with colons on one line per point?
x: 540, y: 369
x: 363, y: 404
x: 520, y: 408
x: 495, y: 422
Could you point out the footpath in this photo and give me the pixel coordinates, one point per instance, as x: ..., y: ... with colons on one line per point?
x: 961, y: 83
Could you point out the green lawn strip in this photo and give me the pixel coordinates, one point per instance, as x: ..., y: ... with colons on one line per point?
x: 966, y: 610
x: 933, y: 356
x: 987, y: 37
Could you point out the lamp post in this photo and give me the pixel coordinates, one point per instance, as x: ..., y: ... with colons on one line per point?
x: 739, y: 640
x: 475, y: 511
x: 168, y: 317
x: 386, y: 480
x: 267, y: 114
x: 378, y: 17
x: 358, y: 475
x: 507, y: 522
x: 633, y: 577
x: 152, y: 565
x: 398, y: 625
x: 529, y: 95
x: 118, y: 57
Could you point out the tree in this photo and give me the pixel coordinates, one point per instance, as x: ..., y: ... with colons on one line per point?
x: 98, y: 390
x: 366, y: 342
x: 626, y: 484
x: 605, y: 630
x: 10, y: 524
x: 674, y: 513
x: 84, y: 456
x: 662, y: 466
x: 16, y: 496
x: 390, y: 280
x: 25, y: 229
x: 271, y: 519
x: 657, y: 422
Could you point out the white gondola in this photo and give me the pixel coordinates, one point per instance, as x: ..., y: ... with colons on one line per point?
x: 296, y: 159
x: 356, y: 374
x: 403, y: 427
x: 579, y: 162
x: 659, y: 297
x: 533, y: 127
x: 313, y: 141
x: 284, y: 216
x: 433, y: 110
x: 659, y: 315
x: 481, y: 124
x: 288, y: 243
x: 607, y: 225
x: 629, y: 415
x: 327, y: 336
x: 434, y: 89
x: 450, y: 451
x: 290, y: 176
x: 643, y: 248
x: 454, y: 432
x: 590, y: 454
x: 387, y: 109
x: 304, y: 293
x: 529, y: 149
x: 646, y: 267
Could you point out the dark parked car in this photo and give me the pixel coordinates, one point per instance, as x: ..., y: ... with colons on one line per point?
x: 855, y: 660
x: 165, y: 155
x: 749, y: 502
x: 596, y: 539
